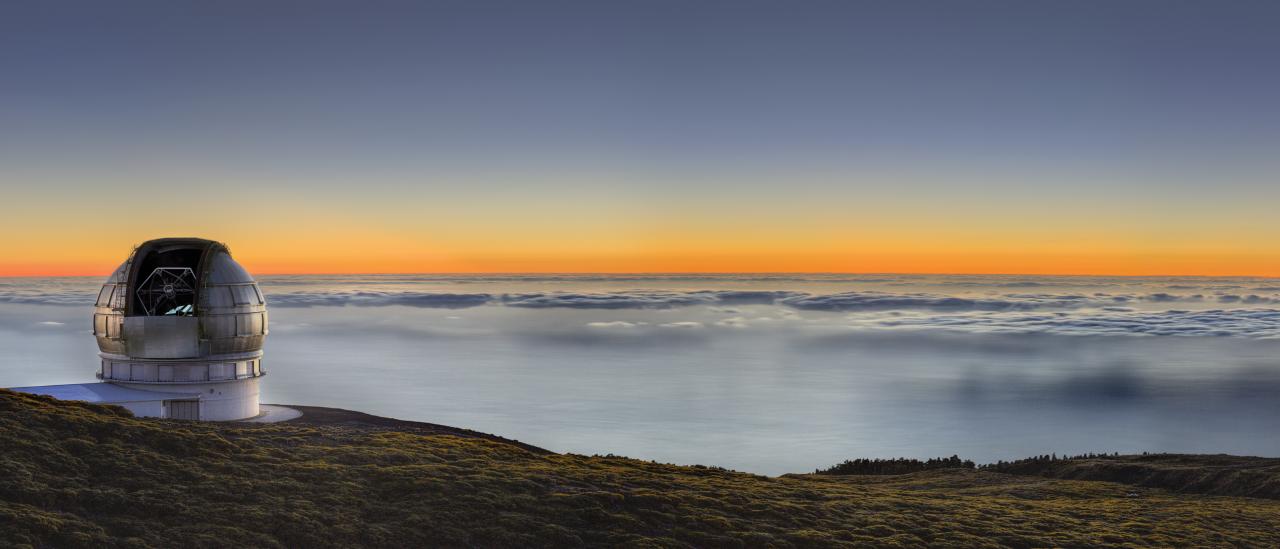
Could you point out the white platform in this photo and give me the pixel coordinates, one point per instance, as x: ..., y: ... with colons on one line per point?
x: 102, y: 393
x: 270, y: 413
x: 225, y: 401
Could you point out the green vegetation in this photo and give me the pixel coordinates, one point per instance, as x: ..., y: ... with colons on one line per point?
x: 77, y: 475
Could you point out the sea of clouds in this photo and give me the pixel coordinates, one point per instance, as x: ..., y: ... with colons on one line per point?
x: 1186, y: 306
x: 766, y: 373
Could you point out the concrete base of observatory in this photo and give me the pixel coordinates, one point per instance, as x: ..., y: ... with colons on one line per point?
x: 205, y: 401
x: 226, y: 401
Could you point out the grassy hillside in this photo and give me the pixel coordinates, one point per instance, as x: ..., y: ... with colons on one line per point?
x: 83, y: 475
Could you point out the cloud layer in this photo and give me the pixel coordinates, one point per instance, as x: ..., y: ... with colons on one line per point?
x: 881, y: 301
x: 1251, y: 323
x: 638, y: 299
x: 969, y: 304
x: 379, y: 299
x: 642, y: 299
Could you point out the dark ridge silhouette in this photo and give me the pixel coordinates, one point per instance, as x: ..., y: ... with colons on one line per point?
x: 1219, y: 475
x: 895, y: 466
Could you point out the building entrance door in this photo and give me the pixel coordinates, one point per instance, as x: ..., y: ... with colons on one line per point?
x: 183, y: 409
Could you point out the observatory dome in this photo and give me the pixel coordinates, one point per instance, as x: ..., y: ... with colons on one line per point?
x: 180, y: 315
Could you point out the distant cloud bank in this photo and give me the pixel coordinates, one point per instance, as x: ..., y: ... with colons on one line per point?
x: 378, y: 299
x: 1251, y: 323
x: 969, y: 304
x: 880, y: 301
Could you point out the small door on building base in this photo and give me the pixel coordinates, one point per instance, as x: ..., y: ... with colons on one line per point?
x: 182, y: 409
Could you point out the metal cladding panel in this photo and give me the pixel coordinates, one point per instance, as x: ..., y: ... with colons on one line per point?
x: 222, y: 371
x: 216, y: 298
x: 244, y: 295
x: 104, y: 295
x: 224, y: 270
x: 218, y: 327
x: 107, y: 328
x: 235, y: 345
x: 112, y: 297
x: 257, y: 324
x: 108, y: 312
x: 234, y: 333
x: 236, y: 298
x: 120, y: 275
x: 112, y: 346
x: 115, y: 326
x: 162, y: 336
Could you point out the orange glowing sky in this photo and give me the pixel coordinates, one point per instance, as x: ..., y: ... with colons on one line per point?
x: 927, y: 230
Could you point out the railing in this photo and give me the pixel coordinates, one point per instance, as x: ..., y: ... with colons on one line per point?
x: 178, y: 374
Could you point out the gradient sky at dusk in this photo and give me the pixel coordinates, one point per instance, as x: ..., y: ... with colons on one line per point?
x: 1112, y: 137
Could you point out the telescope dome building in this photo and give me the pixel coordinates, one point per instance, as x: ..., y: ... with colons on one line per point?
x: 181, y: 317
x: 180, y: 327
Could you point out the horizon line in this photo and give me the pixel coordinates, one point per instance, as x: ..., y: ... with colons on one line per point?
x: 693, y: 273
